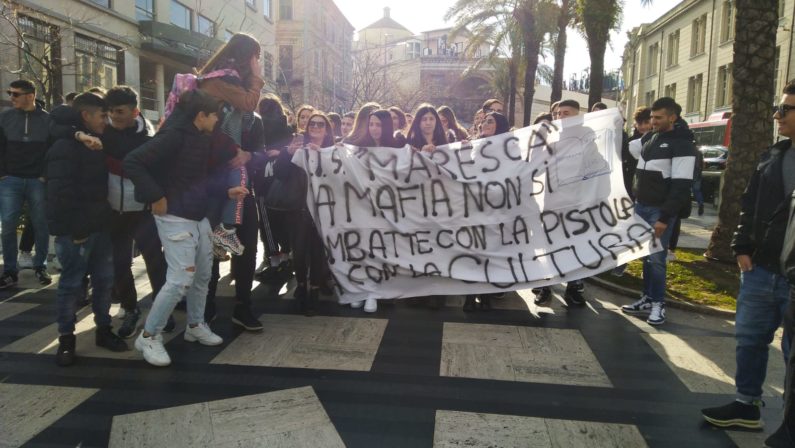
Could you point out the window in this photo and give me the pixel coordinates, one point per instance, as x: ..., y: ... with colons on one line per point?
x: 286, y: 62
x: 144, y: 10
x: 205, y: 26
x: 286, y: 9
x: 723, y: 97
x: 413, y: 50
x: 42, y: 41
x: 97, y: 64
x: 267, y: 66
x: 694, y: 93
x: 181, y: 15
x: 266, y: 8
x: 727, y: 22
x: 781, y: 11
x: 673, y: 49
x: 105, y: 3
x: 654, y: 54
x: 670, y: 90
x: 651, y: 97
x: 699, y: 36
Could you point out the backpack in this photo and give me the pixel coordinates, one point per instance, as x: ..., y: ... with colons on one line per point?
x: 184, y: 82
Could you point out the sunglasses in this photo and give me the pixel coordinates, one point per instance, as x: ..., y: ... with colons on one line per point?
x: 17, y: 94
x: 316, y: 124
x: 782, y: 109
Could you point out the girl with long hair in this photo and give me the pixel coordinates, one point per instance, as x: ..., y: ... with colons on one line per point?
x: 379, y: 131
x: 276, y: 266
x: 398, y: 124
x: 494, y: 123
x: 308, y: 257
x: 453, y: 130
x: 302, y: 117
x: 238, y: 134
x: 426, y: 132
x: 360, y: 123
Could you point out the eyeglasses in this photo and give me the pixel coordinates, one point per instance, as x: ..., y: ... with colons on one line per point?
x: 17, y: 94
x: 316, y: 124
x: 782, y: 109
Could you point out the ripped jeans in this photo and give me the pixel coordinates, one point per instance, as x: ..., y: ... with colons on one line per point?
x: 189, y: 255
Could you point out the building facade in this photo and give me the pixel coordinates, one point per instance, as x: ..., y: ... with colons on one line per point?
x: 687, y: 54
x: 141, y: 43
x: 433, y: 66
x: 314, y: 41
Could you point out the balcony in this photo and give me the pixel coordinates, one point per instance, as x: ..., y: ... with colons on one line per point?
x: 171, y: 41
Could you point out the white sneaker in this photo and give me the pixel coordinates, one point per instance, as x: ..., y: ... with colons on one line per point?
x: 357, y: 304
x: 657, y: 316
x: 642, y: 306
x: 671, y: 256
x: 25, y: 260
x: 370, y: 306
x: 153, y: 350
x: 203, y: 335
x: 55, y: 264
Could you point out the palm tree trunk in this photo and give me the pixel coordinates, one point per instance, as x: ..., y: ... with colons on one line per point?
x: 752, y: 131
x: 512, y: 77
x: 532, y: 48
x: 560, y: 52
x: 596, y: 49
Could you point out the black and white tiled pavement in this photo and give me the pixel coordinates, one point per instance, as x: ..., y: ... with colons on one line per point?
x: 518, y: 376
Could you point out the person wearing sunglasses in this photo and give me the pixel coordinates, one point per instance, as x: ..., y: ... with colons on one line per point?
x: 307, y: 246
x: 764, y: 290
x: 24, y: 139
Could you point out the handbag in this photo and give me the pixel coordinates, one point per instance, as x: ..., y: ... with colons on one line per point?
x: 287, y: 194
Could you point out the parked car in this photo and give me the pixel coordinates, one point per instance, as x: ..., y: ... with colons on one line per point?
x: 715, y: 157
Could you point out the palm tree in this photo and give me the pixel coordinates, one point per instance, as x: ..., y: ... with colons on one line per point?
x: 599, y: 17
x: 753, y: 84
x: 491, y: 22
x: 566, y: 16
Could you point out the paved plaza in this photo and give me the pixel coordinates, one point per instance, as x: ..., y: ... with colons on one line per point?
x: 405, y: 376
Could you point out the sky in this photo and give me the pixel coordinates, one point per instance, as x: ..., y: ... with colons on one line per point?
x: 424, y: 15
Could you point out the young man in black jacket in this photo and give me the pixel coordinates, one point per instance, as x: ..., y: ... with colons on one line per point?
x: 24, y: 139
x: 129, y: 220
x: 170, y: 172
x: 79, y: 214
x: 764, y: 289
x: 663, y: 179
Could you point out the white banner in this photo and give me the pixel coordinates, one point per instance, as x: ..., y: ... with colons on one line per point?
x: 533, y: 207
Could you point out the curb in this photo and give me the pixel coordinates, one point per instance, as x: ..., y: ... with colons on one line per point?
x: 670, y: 301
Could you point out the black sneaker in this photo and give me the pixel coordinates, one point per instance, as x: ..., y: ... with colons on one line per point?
x: 735, y: 413
x: 66, y: 350
x: 543, y: 295
x: 130, y: 324
x: 8, y: 279
x: 573, y: 295
x: 243, y: 317
x: 700, y: 209
x: 42, y: 276
x: 106, y: 338
x: 170, y: 325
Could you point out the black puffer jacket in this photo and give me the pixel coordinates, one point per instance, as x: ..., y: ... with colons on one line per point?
x: 174, y: 165
x: 763, y: 218
x: 664, y: 174
x: 24, y: 140
x: 77, y: 189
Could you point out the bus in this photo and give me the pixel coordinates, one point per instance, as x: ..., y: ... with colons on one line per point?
x: 715, y: 131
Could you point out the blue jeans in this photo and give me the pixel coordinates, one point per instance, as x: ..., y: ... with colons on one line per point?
x: 94, y: 257
x: 14, y: 191
x: 761, y: 305
x: 654, y: 265
x: 189, y: 255
x: 697, y: 194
